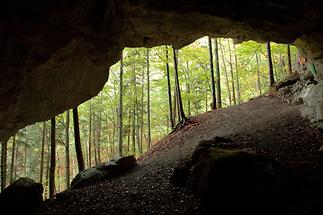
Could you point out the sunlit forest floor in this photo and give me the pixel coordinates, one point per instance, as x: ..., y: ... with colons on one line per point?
x: 265, y: 124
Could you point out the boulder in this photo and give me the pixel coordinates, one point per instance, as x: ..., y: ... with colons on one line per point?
x: 24, y: 196
x: 103, y: 171
x: 229, y: 181
x: 126, y: 163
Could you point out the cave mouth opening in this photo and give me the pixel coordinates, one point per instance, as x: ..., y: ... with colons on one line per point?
x: 45, y: 47
x: 244, y: 64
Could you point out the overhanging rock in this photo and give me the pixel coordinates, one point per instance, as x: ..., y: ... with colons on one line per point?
x: 50, y: 49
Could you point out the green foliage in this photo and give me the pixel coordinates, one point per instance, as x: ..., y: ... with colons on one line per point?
x: 195, y: 84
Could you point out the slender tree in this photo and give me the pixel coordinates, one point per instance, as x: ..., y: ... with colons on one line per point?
x: 178, y: 91
x: 128, y: 131
x: 120, y: 140
x: 15, y: 159
x: 42, y: 153
x: 138, y: 126
x: 188, y: 87
x: 77, y: 140
x: 134, y: 111
x: 67, y: 149
x: 283, y: 71
x: 99, y: 131
x: 12, y: 167
x: 258, y: 74
x: 177, y: 102
x: 232, y: 76
x: 52, y: 159
x: 237, y: 74
x: 270, y: 66
x: 148, y: 100
x: 175, y: 112
x: 58, y: 173
x: 133, y: 130
x: 46, y: 193
x: 169, y: 90
x: 226, y: 73
x: 4, y: 149
x: 290, y: 69
x: 217, y: 71
x: 114, y: 131
x: 212, y: 74
x: 95, y: 145
x: 283, y: 66
x: 142, y: 111
x: 90, y: 136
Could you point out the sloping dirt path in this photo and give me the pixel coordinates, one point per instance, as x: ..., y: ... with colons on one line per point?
x: 265, y: 124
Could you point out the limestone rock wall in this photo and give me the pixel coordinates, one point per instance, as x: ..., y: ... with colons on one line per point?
x: 56, y: 54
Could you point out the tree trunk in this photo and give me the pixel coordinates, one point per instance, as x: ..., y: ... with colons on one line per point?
x: 74, y: 169
x: 129, y: 129
x: 188, y: 87
x: 142, y: 112
x: 217, y: 71
x: 90, y: 136
x: 178, y: 91
x: 42, y: 154
x: 258, y: 74
x: 52, y: 160
x: 3, y: 164
x: 212, y: 74
x: 113, y: 139
x: 237, y: 74
x: 270, y: 66
x: 138, y: 128
x: 231, y: 72
x: 67, y: 149
x: 47, y: 165
x: 290, y: 69
x: 77, y: 140
x: 282, y: 66
x: 169, y: 91
x: 58, y: 174
x: 178, y: 108
x: 120, y: 133
x: 226, y: 74
x: 99, y: 134
x: 134, y: 109
x: 95, y: 147
x: 148, y: 101
x: 95, y: 138
x: 12, y: 167
x: 109, y: 154
x: 175, y: 106
x: 133, y: 133
x: 15, y: 161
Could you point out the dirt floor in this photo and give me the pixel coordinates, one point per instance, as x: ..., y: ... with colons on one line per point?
x: 265, y: 124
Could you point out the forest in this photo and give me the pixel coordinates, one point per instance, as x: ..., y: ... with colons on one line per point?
x: 150, y: 92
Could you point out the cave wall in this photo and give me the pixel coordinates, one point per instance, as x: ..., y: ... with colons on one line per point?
x: 55, y: 54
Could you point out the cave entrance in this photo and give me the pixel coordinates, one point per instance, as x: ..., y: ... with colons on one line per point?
x: 243, y: 72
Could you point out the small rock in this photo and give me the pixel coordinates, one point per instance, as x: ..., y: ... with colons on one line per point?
x: 24, y: 196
